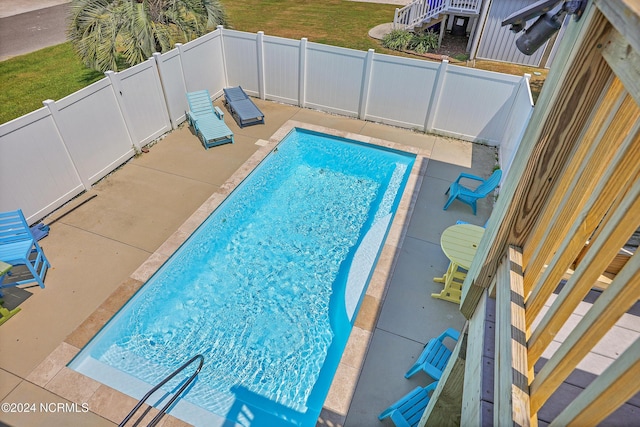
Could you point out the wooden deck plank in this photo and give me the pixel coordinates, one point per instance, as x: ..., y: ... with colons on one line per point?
x: 617, y: 228
x: 623, y: 169
x: 601, y: 141
x: 619, y: 297
x: 606, y: 393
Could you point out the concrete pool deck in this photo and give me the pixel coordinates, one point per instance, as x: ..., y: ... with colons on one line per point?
x: 102, y: 252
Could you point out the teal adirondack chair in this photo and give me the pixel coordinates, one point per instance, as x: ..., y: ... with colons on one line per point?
x: 207, y: 121
x: 407, y: 411
x: 469, y: 196
x: 19, y: 247
x: 434, y: 356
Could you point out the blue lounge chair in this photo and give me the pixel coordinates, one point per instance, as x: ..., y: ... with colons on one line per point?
x: 207, y: 121
x: 435, y: 356
x: 241, y: 107
x: 18, y: 247
x: 407, y: 411
x: 468, y: 196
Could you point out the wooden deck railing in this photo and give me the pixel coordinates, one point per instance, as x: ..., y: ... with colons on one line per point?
x: 573, y: 193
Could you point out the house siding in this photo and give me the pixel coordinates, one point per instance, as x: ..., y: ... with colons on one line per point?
x: 497, y: 43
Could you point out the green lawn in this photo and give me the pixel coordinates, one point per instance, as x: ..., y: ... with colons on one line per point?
x: 56, y: 72
x: 334, y: 22
x: 50, y: 73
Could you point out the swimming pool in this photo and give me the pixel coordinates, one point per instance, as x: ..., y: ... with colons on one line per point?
x: 267, y: 288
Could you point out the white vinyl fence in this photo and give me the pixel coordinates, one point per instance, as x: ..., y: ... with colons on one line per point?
x: 52, y: 154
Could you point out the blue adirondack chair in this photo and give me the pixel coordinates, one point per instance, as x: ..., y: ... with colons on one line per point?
x: 18, y: 247
x: 407, y: 411
x: 242, y: 108
x: 207, y: 121
x: 469, y: 196
x: 434, y: 356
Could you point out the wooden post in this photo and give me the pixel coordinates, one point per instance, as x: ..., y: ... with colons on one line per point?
x: 577, y: 182
x: 511, y: 396
x: 444, y: 409
x: 443, y: 25
x: 563, y: 109
x: 477, y: 393
x: 624, y: 60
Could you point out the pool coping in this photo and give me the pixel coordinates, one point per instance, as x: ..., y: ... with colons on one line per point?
x: 53, y: 374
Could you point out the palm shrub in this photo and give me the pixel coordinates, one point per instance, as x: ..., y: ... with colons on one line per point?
x: 106, y: 33
x: 397, y: 39
x: 423, y: 42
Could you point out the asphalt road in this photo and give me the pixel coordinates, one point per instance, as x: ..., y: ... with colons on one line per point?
x: 33, y: 30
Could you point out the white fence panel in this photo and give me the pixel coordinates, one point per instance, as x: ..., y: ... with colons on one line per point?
x: 475, y: 104
x: 282, y: 69
x: 520, y: 113
x: 203, y: 64
x: 36, y: 173
x: 142, y: 101
x: 334, y: 79
x: 173, y: 85
x: 81, y: 138
x: 241, y: 60
x: 93, y: 129
x: 400, y: 90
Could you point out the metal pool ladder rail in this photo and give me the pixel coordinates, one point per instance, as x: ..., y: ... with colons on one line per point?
x: 162, y: 412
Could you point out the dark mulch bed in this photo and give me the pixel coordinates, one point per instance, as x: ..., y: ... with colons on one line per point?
x: 453, y: 48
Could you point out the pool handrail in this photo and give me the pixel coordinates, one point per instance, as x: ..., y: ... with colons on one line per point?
x: 162, y: 412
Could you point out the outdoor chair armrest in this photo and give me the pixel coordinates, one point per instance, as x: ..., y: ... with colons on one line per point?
x: 451, y: 333
x: 469, y: 176
x: 192, y: 121
x: 466, y: 192
x: 219, y: 112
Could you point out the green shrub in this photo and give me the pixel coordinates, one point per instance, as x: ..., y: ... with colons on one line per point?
x: 397, y: 40
x: 423, y: 42
x: 405, y: 40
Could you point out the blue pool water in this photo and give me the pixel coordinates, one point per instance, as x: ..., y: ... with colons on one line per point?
x: 267, y: 288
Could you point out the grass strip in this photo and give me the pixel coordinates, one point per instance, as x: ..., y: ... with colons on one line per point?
x: 50, y: 73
